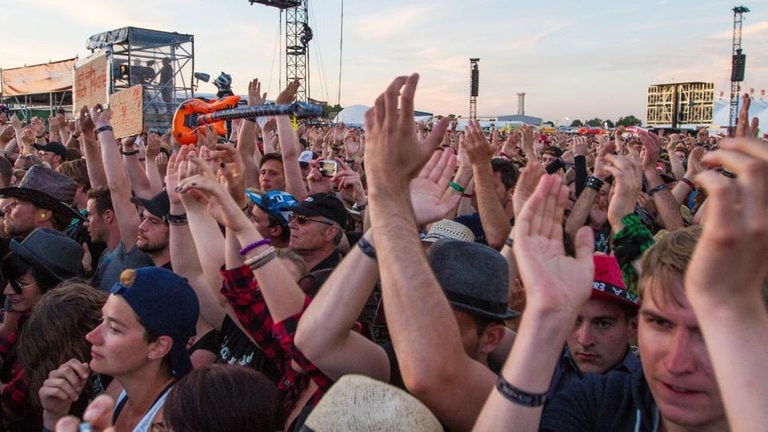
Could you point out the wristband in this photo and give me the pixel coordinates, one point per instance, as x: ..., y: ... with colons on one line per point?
x: 129, y: 153
x: 103, y: 128
x: 359, y: 207
x: 253, y: 246
x: 466, y: 195
x: 658, y: 188
x: 457, y: 187
x: 509, y: 242
x: 519, y: 397
x: 688, y: 182
x: 176, y: 219
x: 367, y: 248
x: 261, y: 259
x: 594, y: 183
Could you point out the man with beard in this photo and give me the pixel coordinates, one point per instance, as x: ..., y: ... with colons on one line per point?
x: 147, y: 231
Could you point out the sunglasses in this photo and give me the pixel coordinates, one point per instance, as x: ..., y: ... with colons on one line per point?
x: 303, y: 220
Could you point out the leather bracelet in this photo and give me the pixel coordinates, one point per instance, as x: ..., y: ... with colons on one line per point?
x: 129, y: 153
x: 103, y: 128
x: 594, y: 183
x: 261, y: 259
x: 367, y: 248
x: 658, y: 188
x: 519, y: 397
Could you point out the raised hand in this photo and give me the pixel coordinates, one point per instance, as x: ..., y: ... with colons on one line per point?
x: 745, y: 128
x: 553, y: 281
x: 476, y: 145
x: 430, y: 202
x: 526, y: 185
x: 62, y: 387
x: 288, y: 95
x: 396, y: 155
x: 255, y: 97
x: 628, y: 181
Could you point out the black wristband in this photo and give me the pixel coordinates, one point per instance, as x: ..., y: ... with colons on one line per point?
x: 176, y: 219
x: 658, y: 188
x: 103, y: 128
x: 129, y: 153
x: 517, y: 396
x: 367, y: 248
x: 594, y: 183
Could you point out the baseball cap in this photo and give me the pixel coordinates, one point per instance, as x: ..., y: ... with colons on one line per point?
x: 322, y: 204
x: 608, y: 282
x: 54, y: 147
x: 275, y: 202
x: 166, y: 305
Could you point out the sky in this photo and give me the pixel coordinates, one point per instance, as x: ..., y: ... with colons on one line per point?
x: 574, y: 60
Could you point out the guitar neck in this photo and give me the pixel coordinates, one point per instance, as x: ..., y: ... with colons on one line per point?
x: 299, y: 109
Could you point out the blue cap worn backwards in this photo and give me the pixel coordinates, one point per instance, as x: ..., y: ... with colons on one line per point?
x: 276, y: 203
x: 166, y: 305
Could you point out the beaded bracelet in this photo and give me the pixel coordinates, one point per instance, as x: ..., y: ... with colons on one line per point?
x: 457, y: 187
x: 367, y: 248
x: 261, y: 259
x: 253, y: 246
x: 594, y: 183
x: 519, y: 397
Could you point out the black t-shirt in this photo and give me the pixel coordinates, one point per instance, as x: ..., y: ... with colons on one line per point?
x: 236, y: 348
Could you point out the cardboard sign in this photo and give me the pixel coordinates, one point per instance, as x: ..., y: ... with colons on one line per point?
x: 91, y: 83
x: 127, y: 107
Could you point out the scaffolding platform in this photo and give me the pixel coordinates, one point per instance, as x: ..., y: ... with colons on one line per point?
x: 162, y: 62
x: 674, y: 105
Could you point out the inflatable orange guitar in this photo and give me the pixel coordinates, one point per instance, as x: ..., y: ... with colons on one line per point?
x: 194, y: 113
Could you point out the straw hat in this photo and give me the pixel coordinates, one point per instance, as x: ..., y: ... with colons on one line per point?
x: 359, y: 403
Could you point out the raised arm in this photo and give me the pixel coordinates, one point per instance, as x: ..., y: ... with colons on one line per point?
x: 731, y: 306
x: 556, y: 286
x: 492, y: 216
x: 184, y: 248
x: 247, y: 133
x: 117, y: 178
x: 136, y: 175
x: 425, y: 334
x: 667, y: 207
x: 91, y: 149
x: 289, y: 146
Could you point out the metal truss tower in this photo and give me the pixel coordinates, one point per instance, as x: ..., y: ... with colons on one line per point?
x: 474, y: 87
x: 297, y: 37
x: 738, y: 62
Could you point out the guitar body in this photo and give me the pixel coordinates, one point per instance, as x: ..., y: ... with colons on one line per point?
x: 185, y: 120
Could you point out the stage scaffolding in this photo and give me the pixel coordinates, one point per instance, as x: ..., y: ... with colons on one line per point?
x: 137, y: 55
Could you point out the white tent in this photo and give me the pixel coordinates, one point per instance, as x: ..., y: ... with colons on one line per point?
x: 352, y: 116
x: 722, y: 112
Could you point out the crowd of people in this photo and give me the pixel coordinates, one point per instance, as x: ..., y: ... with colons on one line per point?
x: 407, y: 276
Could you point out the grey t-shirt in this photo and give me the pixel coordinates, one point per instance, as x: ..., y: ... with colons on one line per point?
x: 113, y: 262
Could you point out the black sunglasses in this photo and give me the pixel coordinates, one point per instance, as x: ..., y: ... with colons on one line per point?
x: 303, y: 220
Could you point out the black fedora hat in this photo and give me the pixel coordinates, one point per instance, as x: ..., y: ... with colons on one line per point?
x: 52, y: 251
x: 46, y: 189
x: 474, y: 277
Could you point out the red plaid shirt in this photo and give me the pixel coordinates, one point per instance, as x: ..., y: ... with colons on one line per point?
x: 276, y: 339
x: 15, y: 394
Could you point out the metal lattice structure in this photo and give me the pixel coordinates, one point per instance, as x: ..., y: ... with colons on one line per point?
x: 297, y: 37
x: 681, y: 104
x: 137, y: 55
x: 474, y: 86
x: 737, y: 72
